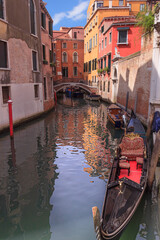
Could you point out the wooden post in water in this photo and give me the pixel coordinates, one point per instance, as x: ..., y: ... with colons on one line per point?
x: 96, y: 220
x: 154, y: 160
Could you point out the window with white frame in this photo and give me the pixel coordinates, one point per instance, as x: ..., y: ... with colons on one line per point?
x: 90, y: 44
x: 75, y: 45
x: 122, y: 37
x: 120, y: 2
x: 75, y: 71
x: 64, y: 45
x: 110, y: 37
x: 33, y: 17
x: 35, y: 60
x: 96, y: 39
x: 105, y: 44
x: 75, y: 57
x: 64, y: 57
x: 2, y: 16
x: 93, y: 41
x: 3, y: 54
x: 142, y: 7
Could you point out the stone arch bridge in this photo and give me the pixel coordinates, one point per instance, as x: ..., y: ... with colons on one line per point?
x: 89, y: 89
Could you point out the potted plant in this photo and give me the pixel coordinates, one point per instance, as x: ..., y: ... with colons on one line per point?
x: 106, y: 69
x: 45, y: 61
x: 52, y: 64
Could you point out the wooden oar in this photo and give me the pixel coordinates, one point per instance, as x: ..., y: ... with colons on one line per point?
x: 96, y: 220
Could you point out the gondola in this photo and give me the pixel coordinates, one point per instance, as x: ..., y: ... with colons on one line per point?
x: 125, y: 187
x: 114, y: 114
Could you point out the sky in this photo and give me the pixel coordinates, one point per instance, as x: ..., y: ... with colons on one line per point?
x: 67, y: 13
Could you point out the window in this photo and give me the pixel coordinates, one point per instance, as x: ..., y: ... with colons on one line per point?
x: 54, y: 45
x: 130, y: 7
x: 75, y: 45
x: 104, y: 62
x: 65, y: 72
x: 64, y: 57
x: 75, y: 34
x: 102, y: 29
x: 43, y: 20
x: 50, y: 27
x: 105, y: 41
x: 75, y: 57
x: 89, y: 70
x: 36, y: 91
x: 108, y: 86
x: 75, y: 72
x: 2, y: 9
x: 99, y: 47
x: 54, y: 57
x: 142, y: 7
x: 44, y: 52
x: 3, y: 55
x: 90, y: 44
x: 110, y: 37
x: 104, y: 86
x: 5, y: 94
x: 34, y: 60
x: 109, y: 62
x: 84, y: 67
x: 85, y: 48
x: 102, y: 44
x: 122, y: 36
x: 99, y: 4
x: 95, y: 62
x: 50, y: 56
x: 96, y: 39
x: 32, y: 17
x: 64, y: 45
x: 45, y: 88
x: 93, y: 41
x: 120, y: 2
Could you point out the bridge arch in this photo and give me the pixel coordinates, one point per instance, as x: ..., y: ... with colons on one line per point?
x: 88, y: 89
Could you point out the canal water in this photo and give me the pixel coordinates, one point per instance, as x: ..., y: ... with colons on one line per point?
x: 56, y: 169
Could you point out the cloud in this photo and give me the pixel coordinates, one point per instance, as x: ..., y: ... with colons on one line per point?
x: 58, y: 17
x: 77, y: 13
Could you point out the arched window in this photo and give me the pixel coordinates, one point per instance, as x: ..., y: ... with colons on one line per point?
x: 32, y: 17
x: 64, y: 57
x: 75, y: 57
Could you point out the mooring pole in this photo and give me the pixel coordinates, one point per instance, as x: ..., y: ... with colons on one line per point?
x: 10, y: 117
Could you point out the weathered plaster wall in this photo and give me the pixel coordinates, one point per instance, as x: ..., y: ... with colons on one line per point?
x: 134, y: 76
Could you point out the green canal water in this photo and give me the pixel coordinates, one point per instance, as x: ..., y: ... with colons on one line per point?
x: 56, y: 170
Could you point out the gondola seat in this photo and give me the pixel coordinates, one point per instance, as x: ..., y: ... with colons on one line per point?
x: 123, y: 164
x: 132, y: 146
x: 139, y: 161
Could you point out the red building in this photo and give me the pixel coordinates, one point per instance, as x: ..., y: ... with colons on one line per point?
x: 68, y: 54
x: 118, y: 37
x: 47, y: 57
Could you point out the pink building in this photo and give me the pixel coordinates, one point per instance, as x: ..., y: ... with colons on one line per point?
x: 47, y: 57
x: 118, y: 37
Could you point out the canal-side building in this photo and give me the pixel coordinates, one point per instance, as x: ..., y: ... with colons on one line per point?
x: 155, y: 77
x: 131, y: 77
x: 47, y: 57
x: 20, y: 60
x: 68, y: 54
x: 97, y: 10
x: 118, y: 37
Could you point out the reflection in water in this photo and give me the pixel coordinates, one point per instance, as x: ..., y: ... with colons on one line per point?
x: 55, y: 170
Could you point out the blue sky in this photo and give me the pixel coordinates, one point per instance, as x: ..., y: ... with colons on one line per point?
x: 67, y: 13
